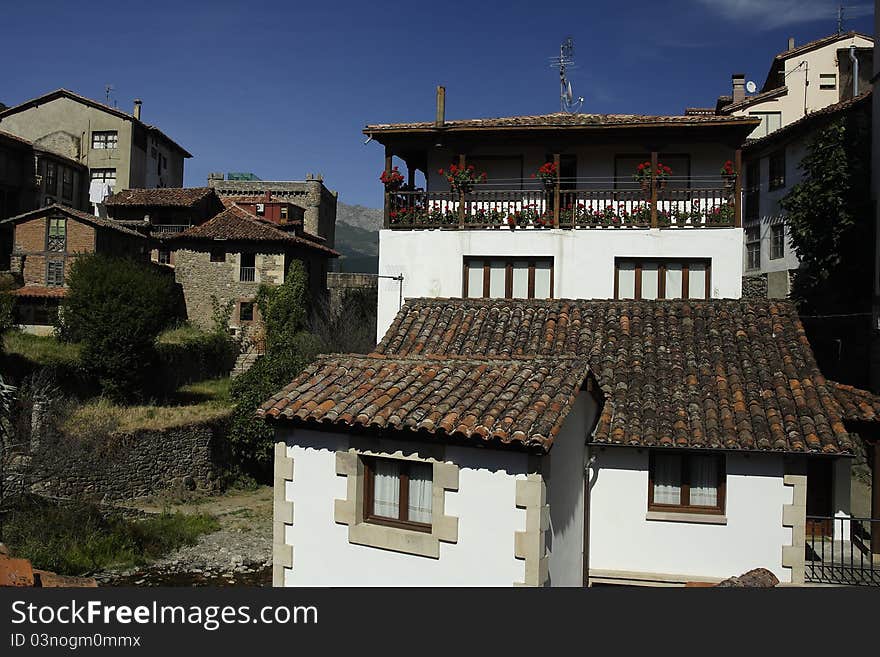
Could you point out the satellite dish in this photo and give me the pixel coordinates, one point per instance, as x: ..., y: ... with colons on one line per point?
x: 751, y: 87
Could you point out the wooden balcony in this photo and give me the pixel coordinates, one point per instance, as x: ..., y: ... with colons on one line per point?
x: 607, y: 204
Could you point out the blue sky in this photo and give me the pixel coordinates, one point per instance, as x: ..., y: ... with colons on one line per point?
x: 285, y: 88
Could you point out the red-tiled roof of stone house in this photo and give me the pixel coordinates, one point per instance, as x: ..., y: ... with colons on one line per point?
x: 236, y: 223
x: 182, y: 197
x: 718, y: 374
x: 504, y: 400
x: 85, y: 217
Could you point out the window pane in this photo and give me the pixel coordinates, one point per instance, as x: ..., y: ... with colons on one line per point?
x: 520, y: 279
x: 626, y: 281
x: 673, y: 281
x: 667, y: 479
x: 542, y: 280
x: 704, y: 480
x: 475, y: 278
x: 386, y: 489
x: 697, y: 281
x: 650, y: 280
x: 497, y: 279
x: 420, y: 492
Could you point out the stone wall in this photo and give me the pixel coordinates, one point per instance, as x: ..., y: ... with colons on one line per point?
x: 338, y: 283
x: 201, y: 279
x: 754, y: 287
x: 318, y: 201
x: 143, y: 463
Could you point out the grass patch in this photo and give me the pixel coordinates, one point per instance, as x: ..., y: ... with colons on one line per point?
x: 215, y: 390
x: 76, y: 540
x: 107, y: 417
x: 180, y: 334
x: 41, y: 349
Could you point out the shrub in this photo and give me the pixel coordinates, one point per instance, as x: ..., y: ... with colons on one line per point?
x: 198, y: 356
x: 77, y: 539
x: 288, y: 350
x: 116, y: 308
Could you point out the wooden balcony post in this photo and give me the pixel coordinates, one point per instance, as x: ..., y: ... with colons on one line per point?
x: 556, y: 159
x: 737, y: 190
x: 462, y: 163
x: 389, y: 156
x: 654, y: 189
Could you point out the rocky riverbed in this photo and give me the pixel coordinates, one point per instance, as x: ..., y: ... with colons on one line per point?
x: 239, y: 554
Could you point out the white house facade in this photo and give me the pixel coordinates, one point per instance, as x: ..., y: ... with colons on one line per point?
x: 568, y: 389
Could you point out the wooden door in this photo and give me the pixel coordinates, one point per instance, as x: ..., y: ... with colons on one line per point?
x: 819, y: 496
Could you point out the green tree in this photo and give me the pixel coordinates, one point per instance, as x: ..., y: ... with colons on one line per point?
x: 116, y: 307
x: 830, y: 220
x: 289, y: 349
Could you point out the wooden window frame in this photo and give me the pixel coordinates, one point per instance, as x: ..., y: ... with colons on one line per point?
x: 66, y: 183
x: 778, y: 182
x: 685, y: 506
x: 50, y: 281
x: 752, y: 190
x: 213, y: 254
x: 51, y: 185
x: 101, y: 140
x: 508, y: 274
x: 777, y: 253
x: 662, y: 263
x: 253, y: 306
x: 401, y: 522
x: 752, y: 243
x: 56, y: 243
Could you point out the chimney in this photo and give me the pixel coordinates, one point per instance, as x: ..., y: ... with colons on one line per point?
x: 441, y: 107
x: 791, y: 43
x: 739, y: 87
x: 137, y: 108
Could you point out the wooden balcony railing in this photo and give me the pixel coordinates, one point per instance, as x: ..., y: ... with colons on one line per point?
x: 709, y: 204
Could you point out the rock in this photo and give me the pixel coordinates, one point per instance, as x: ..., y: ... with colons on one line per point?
x: 760, y: 578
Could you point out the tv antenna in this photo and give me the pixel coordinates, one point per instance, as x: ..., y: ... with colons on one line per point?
x: 565, y: 61
x: 108, y: 90
x: 840, y: 11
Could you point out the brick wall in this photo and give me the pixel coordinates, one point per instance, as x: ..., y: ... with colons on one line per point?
x: 31, y: 235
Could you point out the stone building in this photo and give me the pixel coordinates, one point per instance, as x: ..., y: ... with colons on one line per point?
x: 119, y: 149
x: 46, y: 243
x: 311, y: 194
x: 228, y: 257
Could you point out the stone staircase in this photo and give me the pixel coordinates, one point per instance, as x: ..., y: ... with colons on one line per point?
x: 246, y: 358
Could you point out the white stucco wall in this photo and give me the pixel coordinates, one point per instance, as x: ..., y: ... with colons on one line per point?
x: 803, y: 98
x: 565, y: 493
x: 485, y: 505
x: 431, y: 261
x: 621, y: 539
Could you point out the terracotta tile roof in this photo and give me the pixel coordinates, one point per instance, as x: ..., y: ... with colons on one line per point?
x: 564, y: 120
x: 719, y: 374
x: 40, y: 292
x: 505, y: 400
x: 805, y: 122
x: 115, y: 111
x: 183, y: 197
x: 235, y: 223
x: 98, y: 222
x: 858, y: 405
